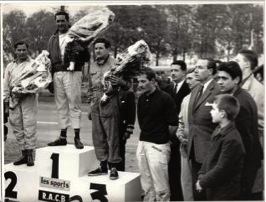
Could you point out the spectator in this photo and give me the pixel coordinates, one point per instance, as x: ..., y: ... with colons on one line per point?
x: 178, y: 89
x: 229, y: 79
x: 22, y: 107
x: 248, y: 62
x: 182, y: 134
x: 157, y: 119
x: 221, y: 172
x: 127, y: 111
x: 199, y: 118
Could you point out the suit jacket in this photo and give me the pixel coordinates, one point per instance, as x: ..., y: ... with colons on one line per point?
x: 247, y: 125
x: 200, y: 122
x: 179, y: 96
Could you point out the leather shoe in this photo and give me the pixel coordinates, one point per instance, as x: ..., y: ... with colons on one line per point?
x: 22, y: 160
x: 58, y: 142
x: 98, y: 171
x: 113, y: 174
x: 78, y: 143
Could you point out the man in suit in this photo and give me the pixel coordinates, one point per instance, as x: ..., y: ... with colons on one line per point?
x: 199, y: 118
x: 229, y: 78
x: 178, y: 89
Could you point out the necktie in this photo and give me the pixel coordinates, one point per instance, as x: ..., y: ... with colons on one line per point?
x: 199, y: 93
x: 175, y: 89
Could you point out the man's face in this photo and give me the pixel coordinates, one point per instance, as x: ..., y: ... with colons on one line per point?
x: 62, y: 23
x: 202, y: 73
x: 144, y: 84
x: 22, y: 52
x: 215, y: 114
x: 225, y: 82
x: 242, y: 61
x: 176, y: 73
x: 191, y: 80
x: 100, y: 50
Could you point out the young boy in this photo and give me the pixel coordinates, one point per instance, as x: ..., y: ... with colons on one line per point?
x: 221, y: 172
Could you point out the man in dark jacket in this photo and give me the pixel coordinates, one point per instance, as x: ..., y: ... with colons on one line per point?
x: 178, y: 89
x: 67, y: 84
x: 127, y: 109
x: 229, y: 77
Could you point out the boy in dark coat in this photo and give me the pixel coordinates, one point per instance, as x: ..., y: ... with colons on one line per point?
x: 220, y: 174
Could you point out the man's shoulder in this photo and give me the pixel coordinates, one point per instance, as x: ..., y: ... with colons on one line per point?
x: 244, y: 98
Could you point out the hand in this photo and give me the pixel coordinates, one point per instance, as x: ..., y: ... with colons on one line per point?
x: 198, y: 187
x: 126, y: 136
x: 116, y: 81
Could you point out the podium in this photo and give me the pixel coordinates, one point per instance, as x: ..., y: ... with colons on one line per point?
x: 60, y: 175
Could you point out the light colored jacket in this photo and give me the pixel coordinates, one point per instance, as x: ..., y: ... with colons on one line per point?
x: 256, y: 90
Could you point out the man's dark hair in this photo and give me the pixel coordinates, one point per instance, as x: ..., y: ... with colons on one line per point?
x: 21, y: 43
x: 62, y: 13
x: 229, y: 104
x: 150, y: 73
x: 107, y: 43
x: 181, y: 63
x: 232, y: 68
x: 251, y: 56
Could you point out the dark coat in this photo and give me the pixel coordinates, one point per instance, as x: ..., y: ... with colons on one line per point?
x: 174, y: 166
x: 127, y: 109
x: 221, y: 172
x: 247, y: 125
x: 179, y: 96
x: 200, y: 122
x: 56, y: 60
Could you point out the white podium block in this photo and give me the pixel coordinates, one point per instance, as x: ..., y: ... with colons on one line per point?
x: 70, y: 162
x: 126, y: 188
x: 60, y: 175
x: 21, y: 183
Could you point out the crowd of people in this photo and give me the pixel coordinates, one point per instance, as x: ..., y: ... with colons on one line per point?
x: 201, y: 133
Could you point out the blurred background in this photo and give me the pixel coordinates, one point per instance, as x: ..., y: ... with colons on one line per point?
x: 172, y: 31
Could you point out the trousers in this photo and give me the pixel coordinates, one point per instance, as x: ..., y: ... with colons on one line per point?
x: 67, y: 93
x: 105, y: 130
x: 153, y: 162
x: 23, y: 120
x: 186, y: 175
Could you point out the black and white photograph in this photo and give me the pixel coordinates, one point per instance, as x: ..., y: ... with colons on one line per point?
x: 132, y: 101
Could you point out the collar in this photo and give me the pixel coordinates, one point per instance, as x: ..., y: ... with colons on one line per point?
x: 205, y: 86
x: 181, y: 83
x: 152, y: 94
x: 102, y: 61
x: 27, y: 60
x: 225, y: 130
x: 248, y: 82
